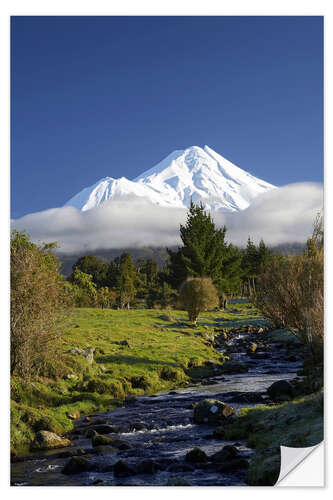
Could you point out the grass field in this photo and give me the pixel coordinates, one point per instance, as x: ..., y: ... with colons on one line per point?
x: 136, y: 352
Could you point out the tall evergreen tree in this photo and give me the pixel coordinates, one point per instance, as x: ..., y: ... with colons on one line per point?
x: 230, y: 281
x: 126, y: 280
x: 203, y: 251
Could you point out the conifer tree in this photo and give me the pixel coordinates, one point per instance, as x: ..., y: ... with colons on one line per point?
x: 203, y: 251
x: 126, y: 280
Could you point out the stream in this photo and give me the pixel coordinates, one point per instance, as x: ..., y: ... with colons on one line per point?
x: 160, y: 429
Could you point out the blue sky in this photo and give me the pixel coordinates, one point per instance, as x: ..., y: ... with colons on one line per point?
x: 111, y: 96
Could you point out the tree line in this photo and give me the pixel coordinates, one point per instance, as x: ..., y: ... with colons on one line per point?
x: 205, y: 252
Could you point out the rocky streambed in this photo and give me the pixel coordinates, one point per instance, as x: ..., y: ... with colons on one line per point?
x: 157, y: 440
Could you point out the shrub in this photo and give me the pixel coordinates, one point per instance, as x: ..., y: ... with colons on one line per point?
x: 291, y: 292
x: 197, y: 295
x: 37, y: 297
x: 83, y: 289
x: 171, y: 374
x: 140, y: 382
x: 95, y: 385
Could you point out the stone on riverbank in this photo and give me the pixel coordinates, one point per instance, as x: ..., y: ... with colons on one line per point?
x: 280, y: 391
x: 73, y: 415
x: 46, y: 440
x: 212, y: 411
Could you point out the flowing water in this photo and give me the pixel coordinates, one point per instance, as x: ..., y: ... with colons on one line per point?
x: 160, y: 427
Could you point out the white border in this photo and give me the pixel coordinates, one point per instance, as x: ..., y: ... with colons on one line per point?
x: 139, y: 7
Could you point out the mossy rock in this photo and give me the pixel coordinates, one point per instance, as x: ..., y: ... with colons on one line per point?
x: 212, y: 411
x: 45, y: 440
x: 100, y: 440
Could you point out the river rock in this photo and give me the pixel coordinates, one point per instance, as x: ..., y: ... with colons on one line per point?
x: 138, y: 426
x: 122, y: 469
x: 147, y: 467
x: 46, y: 440
x: 212, y: 411
x: 196, y: 456
x: 90, y: 433
x: 100, y: 440
x: 73, y: 415
x: 76, y: 465
x: 253, y: 347
x: 87, y: 353
x: 120, y: 444
x: 103, y: 428
x: 228, y: 452
x: 280, y: 391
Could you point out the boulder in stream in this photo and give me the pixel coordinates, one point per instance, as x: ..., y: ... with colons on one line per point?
x: 101, y: 440
x: 103, y: 428
x: 196, y: 456
x: 122, y: 469
x: 147, y: 467
x: 212, y: 411
x: 228, y: 452
x: 76, y: 465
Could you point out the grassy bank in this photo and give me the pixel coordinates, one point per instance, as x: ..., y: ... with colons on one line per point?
x: 136, y: 352
x: 297, y: 424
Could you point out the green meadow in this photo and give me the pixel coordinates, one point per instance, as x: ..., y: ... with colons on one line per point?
x: 136, y: 352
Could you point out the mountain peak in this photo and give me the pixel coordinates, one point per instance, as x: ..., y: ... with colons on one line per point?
x: 194, y: 173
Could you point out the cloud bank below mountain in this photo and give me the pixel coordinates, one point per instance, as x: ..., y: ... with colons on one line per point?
x: 282, y: 215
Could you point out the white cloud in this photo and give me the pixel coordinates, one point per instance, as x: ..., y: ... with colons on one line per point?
x: 282, y: 215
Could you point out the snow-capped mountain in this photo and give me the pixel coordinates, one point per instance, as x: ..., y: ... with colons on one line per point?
x: 195, y: 173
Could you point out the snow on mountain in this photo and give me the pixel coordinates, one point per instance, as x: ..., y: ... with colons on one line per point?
x: 194, y: 173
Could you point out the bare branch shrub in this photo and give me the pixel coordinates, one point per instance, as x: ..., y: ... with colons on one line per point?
x: 291, y: 291
x: 37, y: 295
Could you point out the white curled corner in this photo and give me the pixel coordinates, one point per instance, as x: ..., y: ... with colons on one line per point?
x: 292, y: 457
